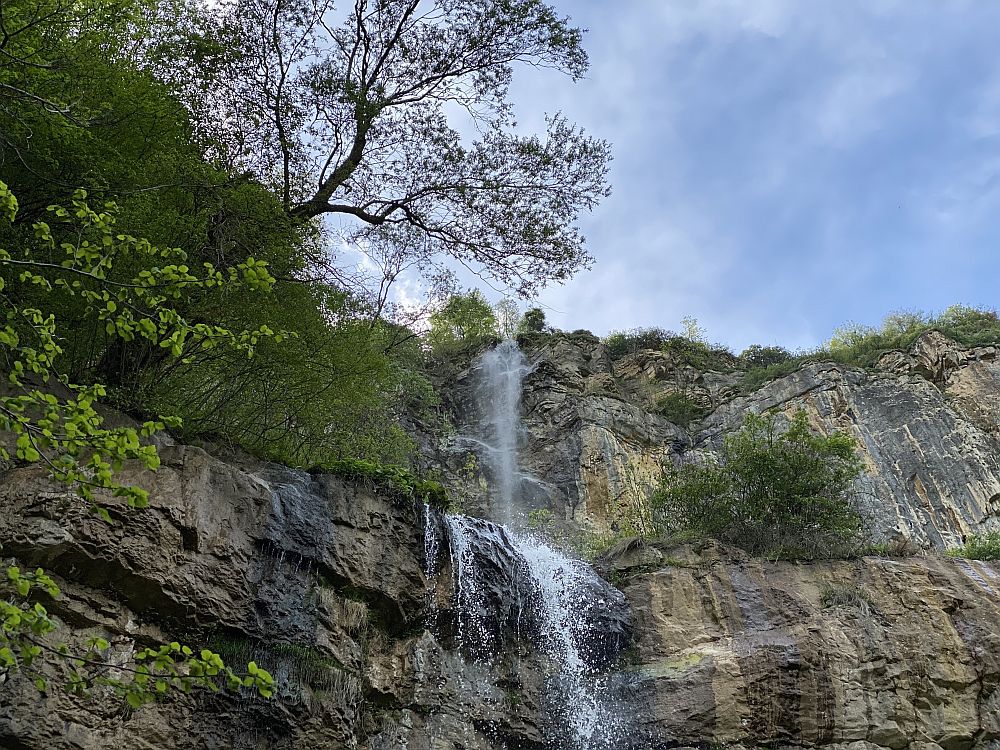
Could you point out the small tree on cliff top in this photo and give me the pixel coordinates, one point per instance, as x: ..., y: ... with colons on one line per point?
x: 464, y: 319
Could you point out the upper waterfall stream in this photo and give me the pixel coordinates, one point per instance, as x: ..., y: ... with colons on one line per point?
x: 509, y: 580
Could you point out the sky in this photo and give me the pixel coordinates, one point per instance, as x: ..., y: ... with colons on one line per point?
x: 782, y: 167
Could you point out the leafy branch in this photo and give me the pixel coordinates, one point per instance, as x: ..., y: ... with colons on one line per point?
x: 24, y: 624
x: 55, y: 422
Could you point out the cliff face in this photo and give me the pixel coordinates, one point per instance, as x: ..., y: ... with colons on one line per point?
x: 901, y: 653
x: 927, y: 421
x: 318, y: 581
x: 347, y: 593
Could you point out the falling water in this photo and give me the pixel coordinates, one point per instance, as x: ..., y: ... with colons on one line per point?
x: 506, y: 577
x: 501, y: 371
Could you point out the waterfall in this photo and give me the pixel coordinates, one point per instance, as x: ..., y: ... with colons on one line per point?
x: 508, y: 583
x: 499, y: 391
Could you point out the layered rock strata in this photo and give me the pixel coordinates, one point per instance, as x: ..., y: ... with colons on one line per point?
x: 927, y: 422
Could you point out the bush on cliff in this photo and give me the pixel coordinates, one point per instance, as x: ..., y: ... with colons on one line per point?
x: 979, y: 547
x: 622, y: 343
x: 782, y: 495
x: 687, y: 349
x: 679, y: 408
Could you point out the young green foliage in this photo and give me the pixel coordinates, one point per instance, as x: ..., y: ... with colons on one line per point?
x: 984, y: 546
x: 55, y: 421
x: 396, y: 478
x: 24, y: 647
x: 782, y: 494
x: 464, y: 320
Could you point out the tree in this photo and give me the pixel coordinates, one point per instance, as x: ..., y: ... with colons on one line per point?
x: 53, y: 420
x: 466, y: 318
x: 356, y: 120
x: 508, y: 318
x: 533, y: 321
x: 692, y: 330
x: 783, y: 494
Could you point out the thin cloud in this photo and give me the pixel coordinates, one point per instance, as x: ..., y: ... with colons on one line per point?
x: 781, y: 167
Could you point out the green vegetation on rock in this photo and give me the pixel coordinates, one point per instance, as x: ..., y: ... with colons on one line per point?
x: 851, y: 596
x: 984, y: 546
x: 396, y: 478
x: 465, y: 320
x: 777, y: 494
x: 853, y: 345
x: 861, y: 346
x: 679, y: 408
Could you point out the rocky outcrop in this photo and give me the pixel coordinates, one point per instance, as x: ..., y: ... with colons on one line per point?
x: 927, y: 422
x: 317, y: 580
x: 870, y: 653
x: 589, y: 445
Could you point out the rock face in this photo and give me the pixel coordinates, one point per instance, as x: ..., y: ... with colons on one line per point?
x: 898, y: 653
x: 927, y: 421
x: 589, y: 445
x: 318, y: 581
x: 347, y: 593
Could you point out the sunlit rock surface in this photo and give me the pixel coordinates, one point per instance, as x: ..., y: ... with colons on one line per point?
x: 899, y: 653
x: 927, y: 421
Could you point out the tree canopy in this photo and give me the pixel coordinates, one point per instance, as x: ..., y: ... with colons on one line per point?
x: 357, y: 113
x: 464, y: 319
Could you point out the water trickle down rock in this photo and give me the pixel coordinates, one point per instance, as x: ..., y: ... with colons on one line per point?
x: 510, y: 586
x: 500, y: 375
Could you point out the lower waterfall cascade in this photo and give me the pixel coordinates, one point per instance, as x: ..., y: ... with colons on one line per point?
x: 509, y: 583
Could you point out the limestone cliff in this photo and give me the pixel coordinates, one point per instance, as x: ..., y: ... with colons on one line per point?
x: 870, y: 653
x: 317, y: 580
x: 346, y: 592
x: 927, y: 421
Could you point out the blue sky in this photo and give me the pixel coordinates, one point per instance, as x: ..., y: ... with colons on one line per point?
x: 783, y: 166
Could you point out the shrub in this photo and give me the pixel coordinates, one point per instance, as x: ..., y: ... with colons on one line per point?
x: 859, y: 345
x: 897, y: 547
x: 850, y: 595
x: 698, y: 354
x: 757, y: 376
x: 679, y: 408
x: 396, y: 478
x: 783, y: 495
x: 979, y: 547
x: 622, y: 343
x: 757, y: 356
